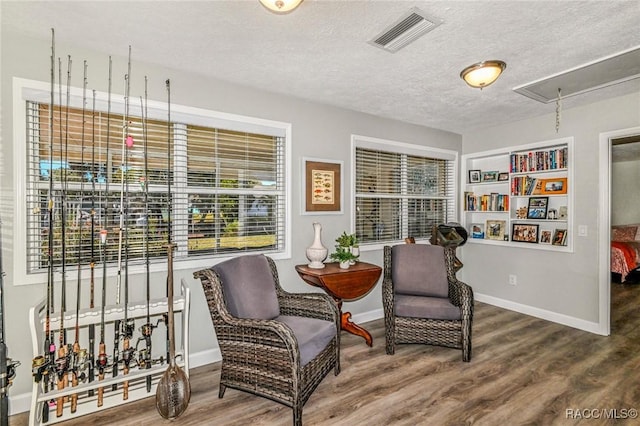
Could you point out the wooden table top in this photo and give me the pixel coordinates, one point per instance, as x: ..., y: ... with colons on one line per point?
x: 343, y: 284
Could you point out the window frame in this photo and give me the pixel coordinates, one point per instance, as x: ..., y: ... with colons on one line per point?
x: 37, y: 91
x: 396, y: 147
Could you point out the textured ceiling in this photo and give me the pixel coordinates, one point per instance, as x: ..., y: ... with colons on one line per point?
x: 320, y: 51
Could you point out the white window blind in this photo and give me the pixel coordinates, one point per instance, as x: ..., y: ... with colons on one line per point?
x: 227, y: 187
x: 399, y: 193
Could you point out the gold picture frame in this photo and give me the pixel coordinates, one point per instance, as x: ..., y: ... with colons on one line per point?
x: 322, y: 186
x: 494, y: 230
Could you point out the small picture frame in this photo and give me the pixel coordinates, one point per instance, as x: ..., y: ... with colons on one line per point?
x: 524, y: 233
x: 321, y: 186
x: 559, y: 237
x: 495, y: 229
x: 474, y: 176
x: 477, y: 230
x: 553, y: 186
x: 491, y: 176
x: 537, y: 208
x: 545, y: 237
x: 502, y: 176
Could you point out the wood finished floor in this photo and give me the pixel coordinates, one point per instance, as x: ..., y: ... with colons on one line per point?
x: 524, y: 371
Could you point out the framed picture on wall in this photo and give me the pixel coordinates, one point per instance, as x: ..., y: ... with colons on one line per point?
x: 321, y: 186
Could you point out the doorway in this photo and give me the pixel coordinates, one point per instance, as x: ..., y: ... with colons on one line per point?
x: 604, y: 233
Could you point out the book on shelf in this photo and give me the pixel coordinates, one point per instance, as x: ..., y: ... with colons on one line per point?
x: 534, y: 161
x: 493, y: 202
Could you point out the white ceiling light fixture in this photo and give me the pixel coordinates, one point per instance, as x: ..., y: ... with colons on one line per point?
x: 281, y: 6
x: 482, y: 74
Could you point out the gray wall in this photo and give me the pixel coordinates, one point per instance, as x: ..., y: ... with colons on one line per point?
x: 318, y: 131
x: 561, y: 283
x: 625, y: 193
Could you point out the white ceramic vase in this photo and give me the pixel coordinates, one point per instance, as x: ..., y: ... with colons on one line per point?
x: 345, y: 264
x: 316, y: 253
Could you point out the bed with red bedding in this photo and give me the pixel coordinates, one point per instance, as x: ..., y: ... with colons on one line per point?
x: 625, y: 250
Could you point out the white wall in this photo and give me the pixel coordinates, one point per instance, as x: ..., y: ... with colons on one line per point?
x: 625, y: 193
x: 562, y: 286
x: 318, y: 131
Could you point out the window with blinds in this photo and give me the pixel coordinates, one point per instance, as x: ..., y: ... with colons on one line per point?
x: 401, y: 192
x: 227, y: 188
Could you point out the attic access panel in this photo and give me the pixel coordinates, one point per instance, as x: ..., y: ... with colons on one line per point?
x: 604, y: 72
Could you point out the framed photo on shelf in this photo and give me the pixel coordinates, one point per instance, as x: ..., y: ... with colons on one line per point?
x: 537, y: 208
x: 495, y: 229
x: 491, y: 176
x: 477, y: 230
x: 559, y: 237
x: 322, y: 186
x: 524, y: 233
x: 503, y: 176
x: 554, y: 186
x: 545, y: 237
x: 474, y: 176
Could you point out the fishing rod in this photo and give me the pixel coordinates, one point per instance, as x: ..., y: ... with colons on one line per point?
x: 7, y: 366
x: 125, y: 129
x: 76, y: 360
x: 173, y: 391
x: 41, y: 365
x: 128, y: 324
x: 102, y: 361
x: 144, y: 356
x: 92, y: 262
x: 62, y: 362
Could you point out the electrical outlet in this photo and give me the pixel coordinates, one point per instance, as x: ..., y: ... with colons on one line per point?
x: 513, y: 279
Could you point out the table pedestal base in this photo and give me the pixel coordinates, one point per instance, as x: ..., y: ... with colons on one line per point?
x: 347, y: 325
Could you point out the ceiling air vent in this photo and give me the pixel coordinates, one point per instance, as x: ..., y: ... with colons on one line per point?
x: 407, y: 29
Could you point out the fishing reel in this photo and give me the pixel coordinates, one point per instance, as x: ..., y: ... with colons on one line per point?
x: 102, y: 362
x: 128, y: 355
x: 10, y: 375
x: 79, y: 363
x: 128, y: 327
x: 62, y: 365
x: 39, y: 368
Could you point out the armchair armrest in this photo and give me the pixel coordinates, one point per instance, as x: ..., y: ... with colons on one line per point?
x: 311, y: 305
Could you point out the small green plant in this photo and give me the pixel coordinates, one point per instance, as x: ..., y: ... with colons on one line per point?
x: 347, y: 240
x: 342, y: 254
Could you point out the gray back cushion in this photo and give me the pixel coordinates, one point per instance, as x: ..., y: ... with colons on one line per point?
x: 419, y: 269
x: 248, y: 287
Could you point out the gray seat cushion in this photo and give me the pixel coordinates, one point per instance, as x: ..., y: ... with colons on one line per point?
x: 425, y: 307
x: 419, y: 269
x: 313, y: 335
x: 248, y: 287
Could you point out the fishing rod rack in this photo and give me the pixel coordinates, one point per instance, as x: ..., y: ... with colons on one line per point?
x: 137, y: 377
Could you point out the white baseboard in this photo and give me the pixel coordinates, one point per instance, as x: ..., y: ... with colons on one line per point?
x: 368, y: 316
x: 592, y: 327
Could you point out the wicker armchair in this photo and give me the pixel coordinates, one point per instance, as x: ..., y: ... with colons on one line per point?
x: 422, y: 299
x: 274, y: 344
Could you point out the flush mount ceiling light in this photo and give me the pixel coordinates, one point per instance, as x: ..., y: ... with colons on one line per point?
x: 281, y: 6
x: 482, y: 74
